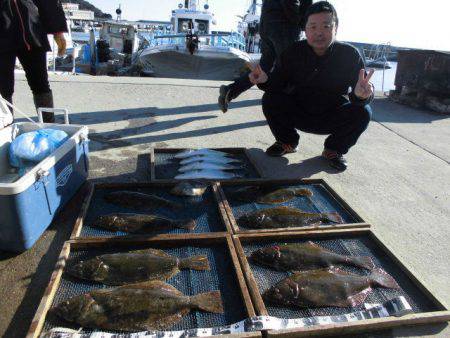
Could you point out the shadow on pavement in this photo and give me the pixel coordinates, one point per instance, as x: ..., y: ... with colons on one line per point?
x: 122, y: 173
x: 114, y: 143
x: 385, y: 110
x: 271, y: 166
x: 88, y: 118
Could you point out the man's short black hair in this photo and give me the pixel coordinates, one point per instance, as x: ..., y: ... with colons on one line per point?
x: 322, y: 7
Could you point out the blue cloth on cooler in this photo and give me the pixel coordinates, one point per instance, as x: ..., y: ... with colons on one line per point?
x: 28, y: 149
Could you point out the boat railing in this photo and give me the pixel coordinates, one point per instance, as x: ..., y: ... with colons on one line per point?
x: 231, y: 39
x: 378, y: 52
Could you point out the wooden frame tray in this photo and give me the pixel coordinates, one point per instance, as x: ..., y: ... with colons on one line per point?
x: 202, y: 210
x: 215, y: 246
x: 324, y: 199
x: 166, y: 171
x: 427, y: 308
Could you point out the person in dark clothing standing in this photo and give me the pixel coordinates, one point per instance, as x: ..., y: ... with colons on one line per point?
x: 280, y: 26
x: 24, y: 25
x: 318, y: 73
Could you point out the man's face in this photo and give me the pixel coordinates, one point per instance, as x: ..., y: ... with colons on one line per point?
x: 320, y: 31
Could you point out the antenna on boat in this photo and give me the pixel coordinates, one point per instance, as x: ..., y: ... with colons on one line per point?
x: 119, y: 13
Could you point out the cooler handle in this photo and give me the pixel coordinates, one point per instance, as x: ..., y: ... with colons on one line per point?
x: 53, y: 110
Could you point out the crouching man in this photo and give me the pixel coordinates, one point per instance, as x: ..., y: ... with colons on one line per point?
x: 319, y: 86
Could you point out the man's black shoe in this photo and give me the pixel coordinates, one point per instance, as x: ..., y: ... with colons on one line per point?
x: 336, y: 160
x: 224, y: 98
x: 280, y: 149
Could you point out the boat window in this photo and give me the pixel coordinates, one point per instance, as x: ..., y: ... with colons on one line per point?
x: 202, y: 26
x: 183, y: 25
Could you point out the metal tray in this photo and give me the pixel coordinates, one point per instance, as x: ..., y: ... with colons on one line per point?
x: 225, y: 275
x: 206, y: 210
x: 324, y: 199
x: 164, y: 166
x: 427, y: 309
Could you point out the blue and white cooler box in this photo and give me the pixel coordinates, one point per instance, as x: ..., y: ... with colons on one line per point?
x: 28, y: 204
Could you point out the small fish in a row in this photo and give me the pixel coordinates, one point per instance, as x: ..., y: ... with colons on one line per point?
x: 208, y: 164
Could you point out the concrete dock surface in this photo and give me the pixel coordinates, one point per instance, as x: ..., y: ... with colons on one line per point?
x: 398, y: 177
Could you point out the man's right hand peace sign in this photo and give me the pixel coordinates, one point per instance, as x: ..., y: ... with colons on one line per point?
x: 257, y: 76
x: 364, y: 89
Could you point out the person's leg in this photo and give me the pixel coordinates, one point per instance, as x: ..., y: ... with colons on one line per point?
x: 279, y: 110
x: 233, y: 90
x: 7, y: 63
x: 346, y: 125
x: 35, y: 65
x: 282, y: 36
x: 268, y: 54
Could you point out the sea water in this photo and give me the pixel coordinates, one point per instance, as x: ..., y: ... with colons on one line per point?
x: 389, y: 78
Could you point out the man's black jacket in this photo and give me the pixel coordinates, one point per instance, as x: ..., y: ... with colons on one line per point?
x: 292, y: 11
x: 319, y: 83
x: 24, y: 24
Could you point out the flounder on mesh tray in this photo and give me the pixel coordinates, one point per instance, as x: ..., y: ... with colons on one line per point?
x: 140, y: 201
x: 134, y: 267
x: 269, y: 195
x: 192, y: 188
x: 140, y: 223
x: 152, y: 305
x: 304, y: 256
x: 327, y: 287
x: 286, y: 217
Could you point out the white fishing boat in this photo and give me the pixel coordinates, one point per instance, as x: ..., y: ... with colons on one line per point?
x: 249, y: 27
x: 192, y: 50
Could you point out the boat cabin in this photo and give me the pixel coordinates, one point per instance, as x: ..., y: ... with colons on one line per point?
x: 188, y: 16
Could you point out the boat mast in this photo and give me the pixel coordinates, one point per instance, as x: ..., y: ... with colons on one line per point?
x: 191, y: 4
x: 252, y: 9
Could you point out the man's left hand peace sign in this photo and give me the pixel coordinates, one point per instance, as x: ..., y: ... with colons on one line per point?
x: 364, y: 89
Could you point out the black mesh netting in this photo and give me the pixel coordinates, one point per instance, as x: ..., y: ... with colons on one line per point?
x: 320, y: 202
x: 166, y: 166
x: 351, y: 245
x: 221, y: 277
x: 203, y: 209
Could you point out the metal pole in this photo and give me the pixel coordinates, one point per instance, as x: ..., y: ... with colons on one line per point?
x: 54, y: 58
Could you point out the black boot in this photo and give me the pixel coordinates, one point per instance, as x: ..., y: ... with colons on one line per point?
x: 45, y: 100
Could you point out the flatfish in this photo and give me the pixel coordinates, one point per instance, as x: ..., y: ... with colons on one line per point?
x: 140, y: 201
x: 140, y: 223
x: 207, y: 174
x: 152, y: 305
x: 209, y: 159
x: 189, y: 189
x: 200, y: 152
x: 208, y: 166
x: 304, y: 256
x: 269, y: 195
x: 134, y: 267
x: 327, y: 287
x: 285, y: 217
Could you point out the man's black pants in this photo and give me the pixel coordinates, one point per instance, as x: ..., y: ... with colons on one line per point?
x: 35, y: 65
x: 344, y: 123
